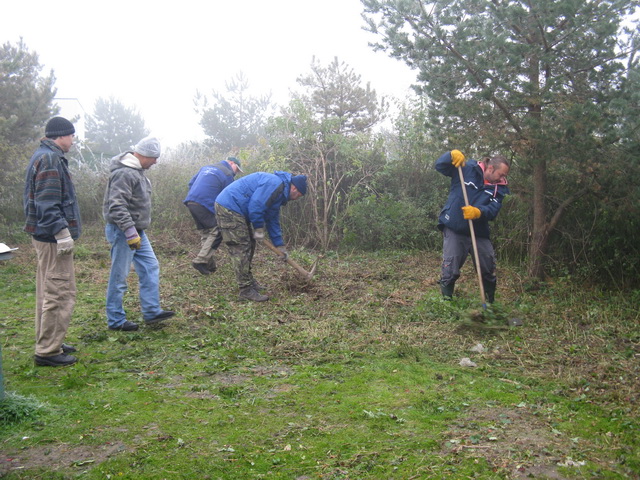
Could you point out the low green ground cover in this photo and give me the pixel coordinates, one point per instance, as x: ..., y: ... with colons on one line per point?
x: 355, y: 375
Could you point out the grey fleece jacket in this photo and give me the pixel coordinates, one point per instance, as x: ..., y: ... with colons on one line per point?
x: 127, y: 200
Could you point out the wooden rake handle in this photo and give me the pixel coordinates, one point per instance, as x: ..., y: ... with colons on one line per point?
x: 473, y: 240
x: 290, y: 261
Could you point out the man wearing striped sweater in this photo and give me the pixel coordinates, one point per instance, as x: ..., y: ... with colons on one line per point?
x: 53, y: 221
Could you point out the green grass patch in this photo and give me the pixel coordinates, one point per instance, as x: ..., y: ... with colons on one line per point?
x: 354, y: 375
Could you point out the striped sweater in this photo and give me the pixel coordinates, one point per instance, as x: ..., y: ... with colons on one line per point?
x: 50, y: 202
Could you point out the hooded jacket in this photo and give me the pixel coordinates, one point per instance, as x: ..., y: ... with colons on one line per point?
x: 486, y: 197
x: 127, y: 199
x: 49, y: 198
x: 206, y: 185
x: 258, y: 197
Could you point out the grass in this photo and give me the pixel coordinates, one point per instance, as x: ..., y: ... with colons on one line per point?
x: 355, y: 375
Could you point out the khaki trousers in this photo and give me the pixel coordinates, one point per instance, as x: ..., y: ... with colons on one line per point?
x: 55, y: 297
x: 210, y: 238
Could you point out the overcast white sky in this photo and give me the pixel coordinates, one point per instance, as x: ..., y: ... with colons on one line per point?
x: 154, y: 55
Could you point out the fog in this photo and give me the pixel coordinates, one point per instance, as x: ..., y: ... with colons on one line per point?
x: 154, y: 56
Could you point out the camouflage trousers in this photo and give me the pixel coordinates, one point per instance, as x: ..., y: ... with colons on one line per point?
x: 237, y: 234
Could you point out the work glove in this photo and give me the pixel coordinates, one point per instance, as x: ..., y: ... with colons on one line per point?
x: 471, y: 213
x: 457, y: 158
x: 283, y: 251
x: 64, y: 241
x: 133, y: 239
x: 258, y: 233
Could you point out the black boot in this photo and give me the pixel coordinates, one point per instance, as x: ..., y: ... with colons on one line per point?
x: 447, y: 290
x: 211, y: 265
x: 489, y: 291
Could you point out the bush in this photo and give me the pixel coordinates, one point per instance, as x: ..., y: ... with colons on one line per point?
x: 90, y: 186
x: 382, y: 222
x: 13, y: 163
x: 170, y: 180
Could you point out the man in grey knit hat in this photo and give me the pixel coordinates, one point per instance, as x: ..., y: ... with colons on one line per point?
x: 127, y: 211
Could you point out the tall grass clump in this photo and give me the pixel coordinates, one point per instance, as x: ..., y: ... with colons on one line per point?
x: 16, y: 408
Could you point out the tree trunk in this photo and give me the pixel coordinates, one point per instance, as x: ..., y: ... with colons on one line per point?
x: 539, y: 234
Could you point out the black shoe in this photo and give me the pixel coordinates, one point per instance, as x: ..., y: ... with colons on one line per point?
x: 60, y: 360
x: 68, y: 348
x: 127, y: 326
x: 160, y: 317
x: 201, y: 267
x: 211, y: 265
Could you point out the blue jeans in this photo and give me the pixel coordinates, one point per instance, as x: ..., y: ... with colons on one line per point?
x: 148, y: 270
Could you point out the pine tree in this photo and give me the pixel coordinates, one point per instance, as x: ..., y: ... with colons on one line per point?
x: 529, y: 79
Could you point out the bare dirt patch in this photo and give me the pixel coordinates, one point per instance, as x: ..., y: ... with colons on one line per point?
x: 513, y: 441
x: 56, y: 457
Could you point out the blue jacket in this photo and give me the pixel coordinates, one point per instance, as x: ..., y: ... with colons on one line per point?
x: 487, y: 198
x: 49, y: 199
x: 206, y: 185
x: 259, y: 197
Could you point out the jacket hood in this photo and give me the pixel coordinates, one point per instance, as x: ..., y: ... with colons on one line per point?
x: 126, y: 159
x: 286, y: 178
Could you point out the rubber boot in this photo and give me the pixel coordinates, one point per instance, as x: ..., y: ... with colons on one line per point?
x: 489, y: 291
x: 250, y: 293
x: 447, y: 290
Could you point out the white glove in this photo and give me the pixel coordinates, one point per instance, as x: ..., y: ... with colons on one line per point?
x: 65, y: 242
x: 283, y: 251
x: 258, y: 233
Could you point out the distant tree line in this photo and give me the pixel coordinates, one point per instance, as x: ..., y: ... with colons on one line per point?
x: 553, y: 86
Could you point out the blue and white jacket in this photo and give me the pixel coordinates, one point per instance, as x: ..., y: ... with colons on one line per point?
x: 486, y: 197
x: 258, y: 197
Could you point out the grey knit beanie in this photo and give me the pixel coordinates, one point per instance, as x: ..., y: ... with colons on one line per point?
x: 148, y: 147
